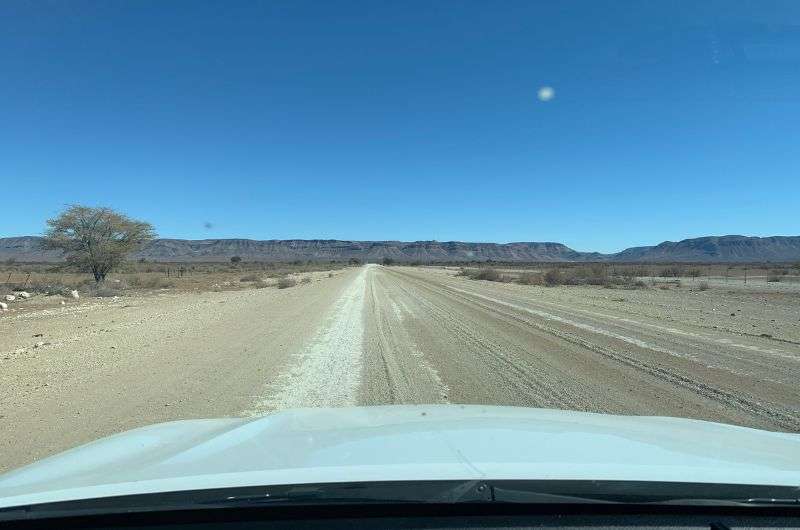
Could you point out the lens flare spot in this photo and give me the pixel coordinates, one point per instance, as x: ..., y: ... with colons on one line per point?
x: 546, y: 93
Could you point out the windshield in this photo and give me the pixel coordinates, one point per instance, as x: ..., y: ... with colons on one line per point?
x: 217, y: 211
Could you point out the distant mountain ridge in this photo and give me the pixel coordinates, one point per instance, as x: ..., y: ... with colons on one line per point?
x: 319, y: 249
x: 703, y: 249
x: 718, y: 248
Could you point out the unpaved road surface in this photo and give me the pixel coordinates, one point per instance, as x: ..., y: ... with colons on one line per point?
x: 377, y: 335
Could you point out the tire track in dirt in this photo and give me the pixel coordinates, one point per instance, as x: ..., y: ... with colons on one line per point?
x: 514, y: 371
x: 771, y: 414
x: 397, y: 371
x: 734, y: 356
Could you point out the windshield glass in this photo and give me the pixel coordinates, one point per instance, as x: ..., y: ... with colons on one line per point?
x: 219, y: 211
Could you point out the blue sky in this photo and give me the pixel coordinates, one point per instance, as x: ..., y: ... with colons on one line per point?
x: 405, y: 120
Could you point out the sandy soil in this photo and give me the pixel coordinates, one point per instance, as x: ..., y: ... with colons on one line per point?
x: 377, y: 335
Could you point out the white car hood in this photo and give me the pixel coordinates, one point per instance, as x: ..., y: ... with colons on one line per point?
x: 436, y: 442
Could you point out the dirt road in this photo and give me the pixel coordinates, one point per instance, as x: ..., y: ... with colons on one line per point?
x: 376, y: 335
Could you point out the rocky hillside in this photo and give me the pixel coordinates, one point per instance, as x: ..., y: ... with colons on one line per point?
x: 26, y: 248
x: 718, y: 249
x: 708, y: 249
x: 314, y: 249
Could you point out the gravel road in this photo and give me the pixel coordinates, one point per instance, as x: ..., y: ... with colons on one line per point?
x: 377, y: 335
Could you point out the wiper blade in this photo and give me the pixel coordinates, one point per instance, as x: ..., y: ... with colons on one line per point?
x: 540, y: 492
x: 644, y: 493
x: 374, y: 493
x: 443, y: 492
x: 728, y: 502
x: 294, y: 497
x: 526, y: 496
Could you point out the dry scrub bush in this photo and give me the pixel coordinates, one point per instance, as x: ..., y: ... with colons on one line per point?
x: 595, y: 274
x: 481, y: 274
x: 139, y: 281
x: 285, y: 283
x: 553, y: 277
x: 530, y: 278
x: 672, y: 272
x: 694, y: 273
x: 488, y: 274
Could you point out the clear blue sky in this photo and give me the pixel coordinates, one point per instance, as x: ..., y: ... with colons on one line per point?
x: 405, y: 120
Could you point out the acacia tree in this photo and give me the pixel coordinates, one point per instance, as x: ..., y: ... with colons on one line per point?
x: 96, y: 239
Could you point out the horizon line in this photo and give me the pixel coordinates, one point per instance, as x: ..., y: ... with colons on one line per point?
x: 449, y: 241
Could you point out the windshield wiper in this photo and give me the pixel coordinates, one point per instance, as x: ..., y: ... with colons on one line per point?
x: 375, y: 493
x: 528, y: 496
x: 745, y: 501
x: 541, y: 492
x: 644, y: 493
x: 441, y: 492
x: 518, y: 492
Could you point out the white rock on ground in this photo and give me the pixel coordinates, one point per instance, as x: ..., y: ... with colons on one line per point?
x: 23, y: 294
x: 74, y: 294
x: 9, y: 298
x: 3, y: 306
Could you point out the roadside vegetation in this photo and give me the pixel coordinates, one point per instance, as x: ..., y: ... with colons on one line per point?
x: 631, y: 275
x: 96, y: 240
x: 97, y: 244
x: 286, y: 282
x: 62, y: 278
x: 593, y: 274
